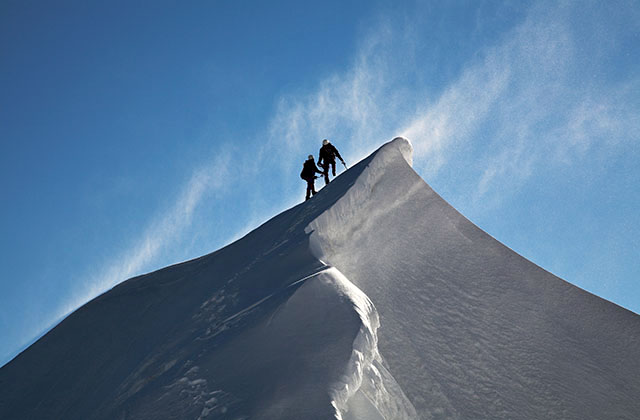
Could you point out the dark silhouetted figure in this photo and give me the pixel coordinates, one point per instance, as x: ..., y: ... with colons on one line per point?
x: 327, y: 157
x: 309, y: 171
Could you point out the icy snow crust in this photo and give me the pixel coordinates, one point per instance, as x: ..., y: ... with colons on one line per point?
x: 374, y: 300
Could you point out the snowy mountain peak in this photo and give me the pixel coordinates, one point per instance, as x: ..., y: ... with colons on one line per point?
x: 373, y: 300
x: 403, y: 145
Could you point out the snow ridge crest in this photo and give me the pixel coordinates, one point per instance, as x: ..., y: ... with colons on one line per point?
x: 366, y: 389
x: 365, y: 345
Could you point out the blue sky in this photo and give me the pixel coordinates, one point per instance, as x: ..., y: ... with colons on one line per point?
x: 137, y: 136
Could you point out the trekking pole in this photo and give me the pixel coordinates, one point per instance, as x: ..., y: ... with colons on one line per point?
x: 344, y: 164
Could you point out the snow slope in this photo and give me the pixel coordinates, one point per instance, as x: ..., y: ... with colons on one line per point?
x: 374, y: 300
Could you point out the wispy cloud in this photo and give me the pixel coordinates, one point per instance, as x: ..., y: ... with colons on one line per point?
x: 349, y: 107
x: 163, y: 231
x: 524, y: 103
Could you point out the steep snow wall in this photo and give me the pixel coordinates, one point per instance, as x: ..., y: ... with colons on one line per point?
x: 468, y: 328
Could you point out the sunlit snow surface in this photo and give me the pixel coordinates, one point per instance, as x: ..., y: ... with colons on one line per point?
x: 374, y: 300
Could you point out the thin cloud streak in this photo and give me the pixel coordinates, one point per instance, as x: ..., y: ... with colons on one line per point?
x: 167, y: 228
x: 520, y: 107
x: 517, y: 108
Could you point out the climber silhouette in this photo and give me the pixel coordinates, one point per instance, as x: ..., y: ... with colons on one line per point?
x: 309, y: 171
x: 327, y: 157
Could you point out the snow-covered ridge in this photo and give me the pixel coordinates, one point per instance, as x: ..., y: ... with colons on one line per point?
x: 468, y: 328
x: 365, y: 345
x: 387, y: 401
x: 374, y: 300
x: 343, y: 292
x: 366, y: 390
x: 354, y: 212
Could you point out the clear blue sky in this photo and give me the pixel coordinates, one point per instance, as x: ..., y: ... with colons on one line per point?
x: 136, y: 136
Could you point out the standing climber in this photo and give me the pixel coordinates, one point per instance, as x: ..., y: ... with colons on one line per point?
x: 309, y: 171
x: 327, y: 157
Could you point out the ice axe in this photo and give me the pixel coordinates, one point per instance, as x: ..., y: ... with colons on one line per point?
x: 344, y: 164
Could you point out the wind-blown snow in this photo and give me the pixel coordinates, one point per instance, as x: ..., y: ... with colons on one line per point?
x: 373, y: 300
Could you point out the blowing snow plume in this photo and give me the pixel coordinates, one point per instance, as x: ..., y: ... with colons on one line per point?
x: 373, y: 300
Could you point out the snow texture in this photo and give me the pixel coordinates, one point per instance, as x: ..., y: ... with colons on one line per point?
x: 373, y: 300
